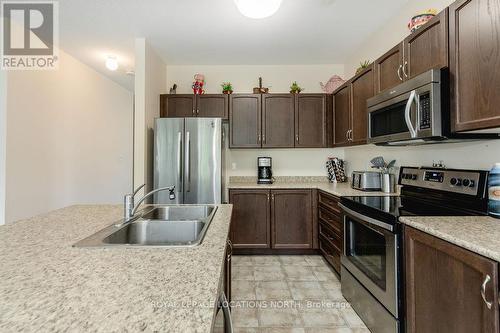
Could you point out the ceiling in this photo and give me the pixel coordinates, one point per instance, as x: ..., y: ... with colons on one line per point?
x: 213, y: 32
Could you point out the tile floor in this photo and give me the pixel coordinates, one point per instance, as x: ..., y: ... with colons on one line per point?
x: 289, y: 294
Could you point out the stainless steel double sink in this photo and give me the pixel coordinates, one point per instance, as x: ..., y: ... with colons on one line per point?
x: 157, y: 226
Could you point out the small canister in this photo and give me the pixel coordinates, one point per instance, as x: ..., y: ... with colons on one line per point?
x: 494, y: 191
x: 388, y: 183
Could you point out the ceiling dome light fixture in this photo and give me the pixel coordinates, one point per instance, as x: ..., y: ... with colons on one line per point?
x: 111, y: 63
x: 258, y: 9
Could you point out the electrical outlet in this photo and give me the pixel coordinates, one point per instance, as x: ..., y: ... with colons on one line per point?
x: 233, y: 166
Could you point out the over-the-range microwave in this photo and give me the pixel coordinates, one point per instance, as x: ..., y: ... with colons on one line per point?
x: 414, y: 112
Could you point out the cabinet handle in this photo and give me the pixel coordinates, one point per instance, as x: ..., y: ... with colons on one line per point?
x: 263, y: 138
x: 483, y: 291
x: 197, y: 111
x: 258, y: 137
x: 297, y: 138
x: 404, y: 69
x: 347, y: 135
x: 399, y: 72
x: 268, y: 199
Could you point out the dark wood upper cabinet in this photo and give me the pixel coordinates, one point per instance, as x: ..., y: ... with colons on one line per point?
x: 292, y: 219
x: 311, y: 121
x: 475, y: 64
x: 251, y: 219
x: 362, y: 88
x: 190, y: 105
x: 181, y: 105
x: 278, y: 121
x: 388, y: 69
x: 212, y: 106
x: 427, y: 48
x: 444, y: 284
x: 245, y: 121
x: 342, y: 112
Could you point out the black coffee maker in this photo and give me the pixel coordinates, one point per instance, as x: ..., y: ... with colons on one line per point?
x: 265, y: 171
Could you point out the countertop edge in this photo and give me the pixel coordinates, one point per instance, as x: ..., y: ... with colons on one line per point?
x: 453, y: 239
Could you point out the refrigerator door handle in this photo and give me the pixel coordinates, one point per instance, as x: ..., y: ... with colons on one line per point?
x: 179, y: 160
x: 188, y: 163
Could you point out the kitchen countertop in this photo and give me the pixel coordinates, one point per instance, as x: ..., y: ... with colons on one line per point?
x: 337, y: 189
x: 479, y: 234
x: 47, y: 285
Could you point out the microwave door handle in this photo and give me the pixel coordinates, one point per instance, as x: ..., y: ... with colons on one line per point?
x: 413, y: 132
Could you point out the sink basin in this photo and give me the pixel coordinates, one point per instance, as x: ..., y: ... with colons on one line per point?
x: 158, y: 226
x: 156, y: 232
x: 178, y: 213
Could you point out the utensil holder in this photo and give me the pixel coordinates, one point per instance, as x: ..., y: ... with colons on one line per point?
x: 388, y: 183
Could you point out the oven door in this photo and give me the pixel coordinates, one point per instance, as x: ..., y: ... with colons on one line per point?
x: 413, y: 115
x: 370, y: 255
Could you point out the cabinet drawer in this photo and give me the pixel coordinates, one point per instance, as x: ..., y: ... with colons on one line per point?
x: 329, y: 202
x: 333, y: 220
x: 331, y: 254
x: 326, y: 231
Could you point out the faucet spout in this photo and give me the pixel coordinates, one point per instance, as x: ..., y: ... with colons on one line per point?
x: 171, y: 196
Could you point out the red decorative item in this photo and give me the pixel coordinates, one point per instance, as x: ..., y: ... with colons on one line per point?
x: 199, y: 82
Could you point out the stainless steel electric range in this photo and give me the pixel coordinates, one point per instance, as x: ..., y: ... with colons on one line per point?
x: 371, y: 272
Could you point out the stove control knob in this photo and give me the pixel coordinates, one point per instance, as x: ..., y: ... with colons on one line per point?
x: 456, y: 182
x: 414, y: 177
x: 468, y: 183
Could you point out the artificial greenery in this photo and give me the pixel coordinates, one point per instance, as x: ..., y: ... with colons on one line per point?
x: 363, y: 65
x: 227, y: 86
x: 295, y: 88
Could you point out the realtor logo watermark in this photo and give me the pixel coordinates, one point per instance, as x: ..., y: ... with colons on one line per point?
x: 30, y: 35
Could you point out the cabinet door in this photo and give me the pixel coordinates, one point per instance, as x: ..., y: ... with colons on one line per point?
x: 443, y: 287
x: 362, y: 88
x: 475, y: 64
x: 245, y: 120
x: 388, y: 71
x: 278, y: 120
x: 250, y: 223
x: 212, y: 106
x: 292, y: 219
x: 341, y: 100
x: 427, y: 48
x: 311, y: 121
x: 182, y: 105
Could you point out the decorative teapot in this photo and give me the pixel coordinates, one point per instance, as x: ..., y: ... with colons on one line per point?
x: 333, y: 83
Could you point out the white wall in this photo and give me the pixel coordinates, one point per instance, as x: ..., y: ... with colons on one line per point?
x: 393, y: 32
x: 69, y: 139
x: 150, y: 82
x: 470, y: 155
x: 286, y: 162
x: 3, y: 141
x: 245, y: 78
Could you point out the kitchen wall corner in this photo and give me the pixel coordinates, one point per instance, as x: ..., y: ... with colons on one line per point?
x: 150, y: 82
x: 3, y: 142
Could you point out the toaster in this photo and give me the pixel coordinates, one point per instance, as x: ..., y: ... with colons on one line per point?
x: 366, y: 180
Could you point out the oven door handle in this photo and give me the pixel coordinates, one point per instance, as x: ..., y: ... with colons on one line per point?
x: 413, y: 97
x: 381, y: 224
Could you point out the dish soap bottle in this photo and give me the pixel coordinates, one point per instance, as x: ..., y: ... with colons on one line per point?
x: 494, y: 191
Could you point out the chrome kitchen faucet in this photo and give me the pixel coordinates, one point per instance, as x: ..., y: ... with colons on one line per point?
x: 131, y: 207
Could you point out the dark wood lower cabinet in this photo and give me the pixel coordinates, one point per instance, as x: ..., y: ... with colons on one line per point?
x: 292, y: 219
x: 331, y: 229
x: 227, y: 270
x: 444, y: 284
x: 250, y: 223
x: 274, y: 220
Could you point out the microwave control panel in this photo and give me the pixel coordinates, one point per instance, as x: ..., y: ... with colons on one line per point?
x: 425, y: 111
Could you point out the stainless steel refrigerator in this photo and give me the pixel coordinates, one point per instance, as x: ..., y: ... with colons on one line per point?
x: 189, y: 154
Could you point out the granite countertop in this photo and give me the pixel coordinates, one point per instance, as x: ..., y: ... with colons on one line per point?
x: 479, y: 234
x: 47, y: 285
x: 320, y: 183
